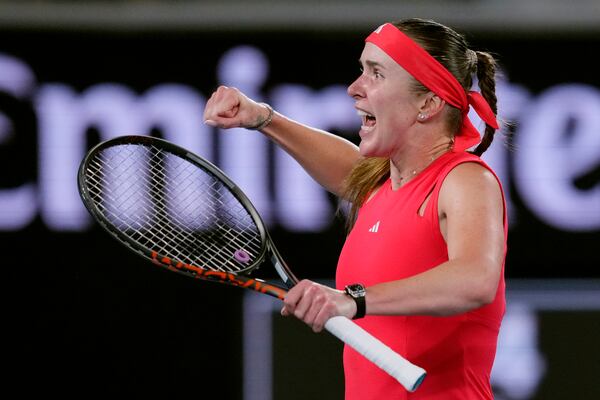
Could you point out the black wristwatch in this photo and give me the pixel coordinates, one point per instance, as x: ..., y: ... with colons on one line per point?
x: 357, y: 292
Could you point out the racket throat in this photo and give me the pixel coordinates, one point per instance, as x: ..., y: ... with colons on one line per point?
x: 284, y: 273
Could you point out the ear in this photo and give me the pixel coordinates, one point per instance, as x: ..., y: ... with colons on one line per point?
x: 431, y: 105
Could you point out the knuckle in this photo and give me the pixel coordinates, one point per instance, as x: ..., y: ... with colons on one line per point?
x: 321, y: 299
x: 304, y: 282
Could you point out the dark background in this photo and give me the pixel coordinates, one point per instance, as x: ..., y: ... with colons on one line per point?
x: 83, y: 316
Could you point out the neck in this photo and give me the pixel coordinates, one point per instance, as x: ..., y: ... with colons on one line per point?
x: 403, y: 168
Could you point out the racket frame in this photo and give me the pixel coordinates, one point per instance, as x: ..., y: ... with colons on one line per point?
x: 267, y: 250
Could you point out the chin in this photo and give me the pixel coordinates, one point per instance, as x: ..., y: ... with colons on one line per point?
x: 364, y: 150
x: 369, y: 151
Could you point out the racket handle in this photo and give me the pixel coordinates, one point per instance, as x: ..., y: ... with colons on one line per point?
x: 409, y: 375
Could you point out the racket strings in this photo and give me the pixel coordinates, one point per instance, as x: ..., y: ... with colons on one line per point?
x: 214, y: 247
x: 186, y: 242
x: 169, y: 205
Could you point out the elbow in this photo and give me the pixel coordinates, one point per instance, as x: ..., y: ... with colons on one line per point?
x: 479, y: 298
x: 486, y: 297
x: 486, y: 287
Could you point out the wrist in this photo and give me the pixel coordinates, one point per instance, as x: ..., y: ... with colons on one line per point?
x: 357, y: 292
x: 263, y: 122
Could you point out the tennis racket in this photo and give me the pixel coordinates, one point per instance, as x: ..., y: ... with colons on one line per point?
x: 182, y: 213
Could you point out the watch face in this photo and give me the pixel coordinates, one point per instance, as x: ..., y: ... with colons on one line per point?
x: 356, y: 290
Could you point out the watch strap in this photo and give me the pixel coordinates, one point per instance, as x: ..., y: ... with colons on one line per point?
x: 357, y: 293
x: 361, y: 307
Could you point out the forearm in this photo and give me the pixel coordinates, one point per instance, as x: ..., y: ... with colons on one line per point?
x: 326, y: 157
x: 451, y: 288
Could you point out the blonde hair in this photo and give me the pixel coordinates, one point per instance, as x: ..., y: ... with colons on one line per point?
x: 366, y: 176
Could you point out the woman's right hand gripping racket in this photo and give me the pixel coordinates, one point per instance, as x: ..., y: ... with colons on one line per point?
x: 183, y: 213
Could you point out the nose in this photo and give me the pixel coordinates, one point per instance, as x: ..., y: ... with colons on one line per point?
x: 356, y: 90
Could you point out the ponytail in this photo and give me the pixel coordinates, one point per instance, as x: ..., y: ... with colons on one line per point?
x: 486, y: 75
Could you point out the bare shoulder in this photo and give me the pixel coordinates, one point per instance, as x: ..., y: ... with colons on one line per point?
x: 471, y: 184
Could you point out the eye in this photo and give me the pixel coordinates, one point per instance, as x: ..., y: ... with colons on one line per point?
x: 377, y: 74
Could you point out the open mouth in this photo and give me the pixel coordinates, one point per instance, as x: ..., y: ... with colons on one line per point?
x: 368, y: 120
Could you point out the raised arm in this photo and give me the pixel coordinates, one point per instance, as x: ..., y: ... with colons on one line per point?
x: 326, y: 157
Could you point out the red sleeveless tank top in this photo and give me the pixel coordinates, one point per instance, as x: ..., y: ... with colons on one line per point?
x: 391, y: 241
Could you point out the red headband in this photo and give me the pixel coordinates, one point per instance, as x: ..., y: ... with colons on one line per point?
x: 435, y: 77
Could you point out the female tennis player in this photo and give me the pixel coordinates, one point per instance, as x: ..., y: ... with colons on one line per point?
x: 423, y: 263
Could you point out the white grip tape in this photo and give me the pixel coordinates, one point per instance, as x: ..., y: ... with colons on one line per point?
x: 409, y: 375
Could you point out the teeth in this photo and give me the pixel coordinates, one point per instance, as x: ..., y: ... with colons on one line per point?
x: 362, y: 113
x: 367, y: 128
x: 368, y: 121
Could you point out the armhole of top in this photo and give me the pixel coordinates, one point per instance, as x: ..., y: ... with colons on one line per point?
x: 432, y: 205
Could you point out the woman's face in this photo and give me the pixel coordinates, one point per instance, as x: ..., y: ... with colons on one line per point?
x: 384, y: 101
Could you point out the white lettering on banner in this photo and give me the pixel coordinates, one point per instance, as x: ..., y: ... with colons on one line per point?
x: 301, y: 203
x: 558, y: 142
x: 129, y: 198
x: 18, y: 206
x: 65, y: 116
x: 548, y: 158
x: 244, y: 156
